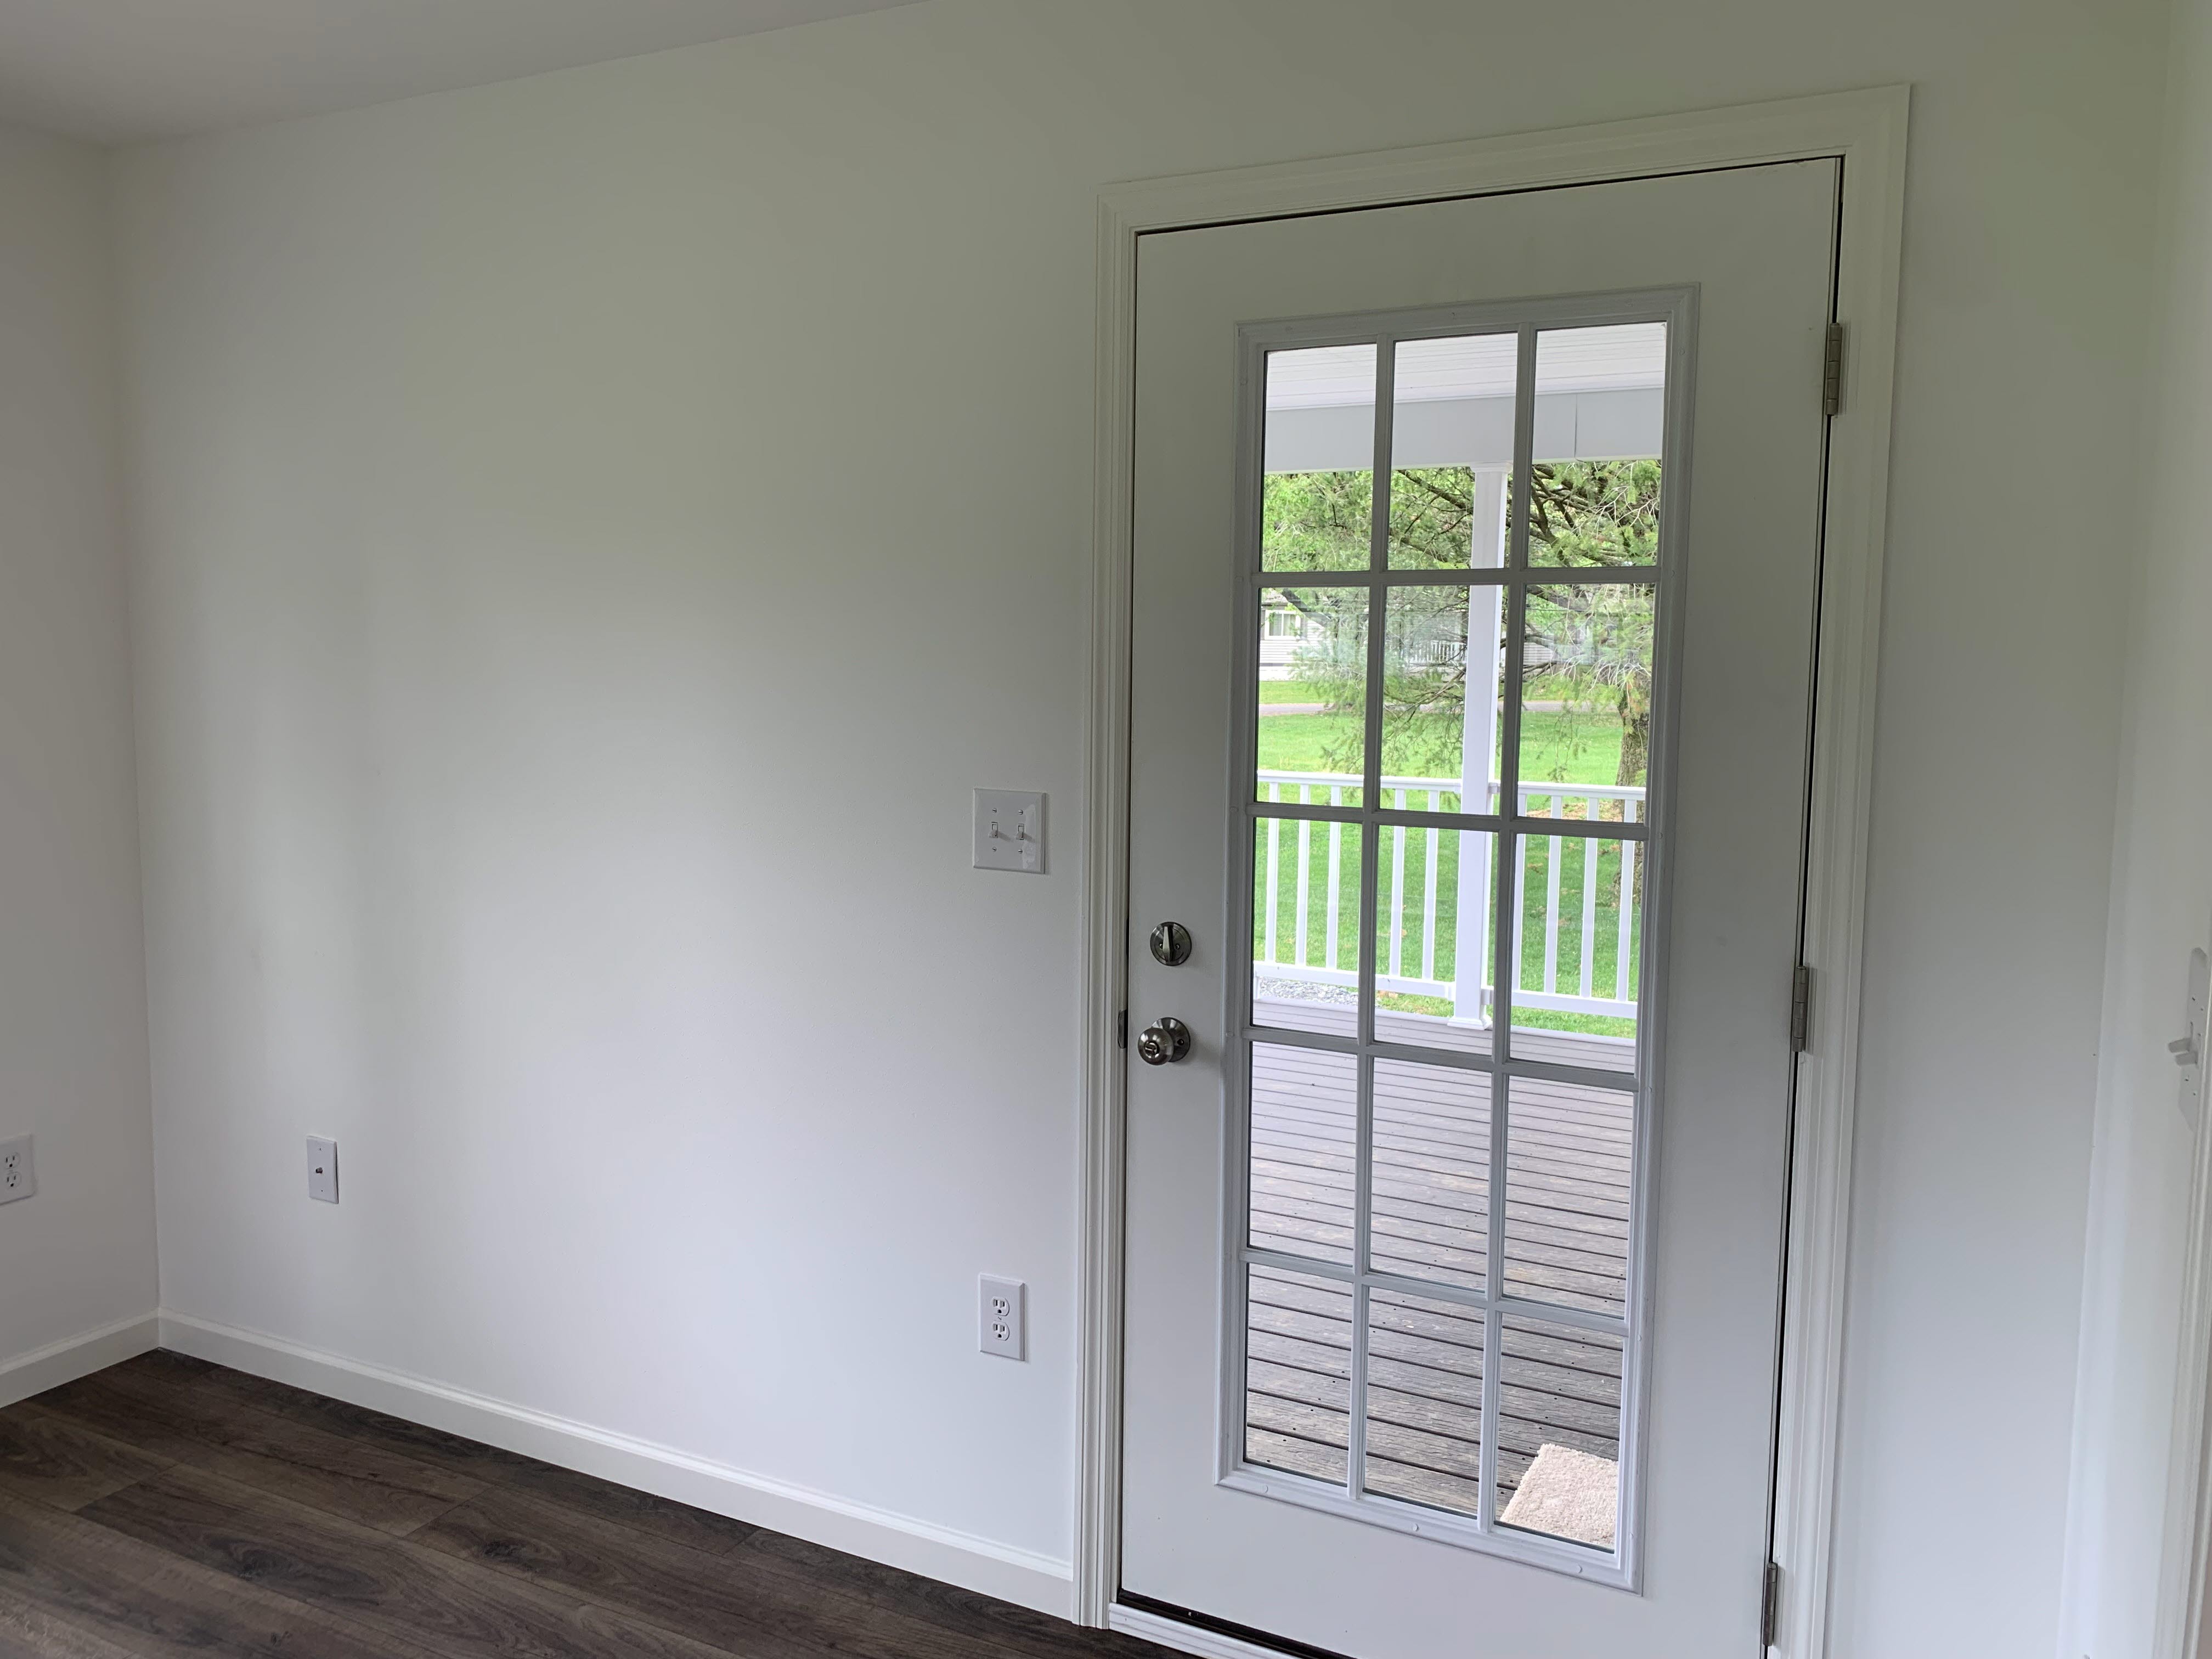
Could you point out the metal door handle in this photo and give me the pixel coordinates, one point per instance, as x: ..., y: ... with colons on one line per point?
x: 1165, y: 1042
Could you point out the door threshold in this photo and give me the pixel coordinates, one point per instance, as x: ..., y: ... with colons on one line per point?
x: 1202, y: 1633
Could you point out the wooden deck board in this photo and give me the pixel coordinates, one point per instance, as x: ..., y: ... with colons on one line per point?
x: 1566, y: 1229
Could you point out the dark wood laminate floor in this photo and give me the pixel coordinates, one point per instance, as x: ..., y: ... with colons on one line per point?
x: 168, y: 1507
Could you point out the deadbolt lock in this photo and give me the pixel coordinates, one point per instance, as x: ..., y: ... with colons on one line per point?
x: 1171, y: 944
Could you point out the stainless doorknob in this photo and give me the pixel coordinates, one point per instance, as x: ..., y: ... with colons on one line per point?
x: 1165, y: 1042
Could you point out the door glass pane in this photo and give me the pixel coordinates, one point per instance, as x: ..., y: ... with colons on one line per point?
x: 1316, y: 510
x: 1297, y: 1372
x: 1559, y: 1431
x: 1569, y: 1179
x: 1433, y: 964
x: 1305, y: 1117
x: 1425, y: 1400
x: 1580, y: 904
x: 1586, y: 687
x: 1312, y: 713
x: 1305, y: 924
x: 1432, y: 1173
x: 1429, y: 747
x: 1451, y: 451
x: 1601, y: 411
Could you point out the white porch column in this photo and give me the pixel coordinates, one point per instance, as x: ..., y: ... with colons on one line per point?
x: 1471, y: 957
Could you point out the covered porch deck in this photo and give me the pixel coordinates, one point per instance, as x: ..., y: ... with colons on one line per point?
x: 1567, y: 1244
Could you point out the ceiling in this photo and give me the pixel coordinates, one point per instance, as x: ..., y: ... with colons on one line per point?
x: 121, y: 71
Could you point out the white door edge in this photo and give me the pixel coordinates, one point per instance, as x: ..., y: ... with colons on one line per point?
x: 1867, y: 130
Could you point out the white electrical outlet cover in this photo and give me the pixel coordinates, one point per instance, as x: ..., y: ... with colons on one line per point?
x: 1002, y: 1318
x: 19, y: 1178
x: 322, y: 1170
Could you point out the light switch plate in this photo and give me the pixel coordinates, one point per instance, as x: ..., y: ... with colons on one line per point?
x: 2188, y: 1052
x: 1003, y: 1318
x: 322, y: 1170
x: 1010, y: 830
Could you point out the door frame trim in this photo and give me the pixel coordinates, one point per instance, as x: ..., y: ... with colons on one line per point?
x: 1867, y: 130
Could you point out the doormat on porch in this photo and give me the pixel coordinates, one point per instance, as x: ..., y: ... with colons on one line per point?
x: 1568, y: 1494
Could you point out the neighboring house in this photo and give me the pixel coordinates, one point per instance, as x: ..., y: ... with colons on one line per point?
x: 1283, y: 628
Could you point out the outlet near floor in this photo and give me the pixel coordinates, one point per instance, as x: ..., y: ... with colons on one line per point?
x: 18, y: 1179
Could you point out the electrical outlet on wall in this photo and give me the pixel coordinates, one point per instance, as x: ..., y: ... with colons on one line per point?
x: 18, y: 1179
x: 1002, y: 1322
x: 322, y: 1170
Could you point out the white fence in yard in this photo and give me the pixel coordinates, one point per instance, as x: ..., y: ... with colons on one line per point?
x: 1304, y: 933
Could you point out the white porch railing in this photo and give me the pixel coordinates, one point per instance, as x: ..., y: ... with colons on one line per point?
x: 1306, y: 935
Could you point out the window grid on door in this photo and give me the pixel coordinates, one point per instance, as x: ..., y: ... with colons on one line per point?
x: 1481, y: 1337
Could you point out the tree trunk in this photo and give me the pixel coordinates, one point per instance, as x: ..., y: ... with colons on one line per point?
x: 1634, y: 745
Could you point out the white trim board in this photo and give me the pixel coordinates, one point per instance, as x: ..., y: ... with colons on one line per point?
x: 1034, y: 1580
x: 2185, y: 1568
x: 1867, y: 130
x: 73, y: 1357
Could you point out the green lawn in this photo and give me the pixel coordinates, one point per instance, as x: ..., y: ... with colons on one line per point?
x: 1555, y: 746
x: 1568, y: 748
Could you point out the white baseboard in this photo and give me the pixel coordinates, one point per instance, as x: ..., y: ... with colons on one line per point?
x: 1184, y: 1639
x: 73, y: 1357
x: 899, y: 1540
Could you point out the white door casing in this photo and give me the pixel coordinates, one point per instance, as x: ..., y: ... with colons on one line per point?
x: 1755, y: 248
x: 1868, y: 131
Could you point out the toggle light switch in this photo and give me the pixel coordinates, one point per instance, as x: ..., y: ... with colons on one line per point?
x: 1010, y: 830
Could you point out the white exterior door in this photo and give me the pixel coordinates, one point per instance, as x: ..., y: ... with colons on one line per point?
x: 1476, y: 550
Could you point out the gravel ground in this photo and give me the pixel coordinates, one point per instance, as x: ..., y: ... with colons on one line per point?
x: 1304, y: 990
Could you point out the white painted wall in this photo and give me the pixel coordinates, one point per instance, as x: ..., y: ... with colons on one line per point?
x: 591, y: 532
x: 79, y: 1254
x: 2161, y: 910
